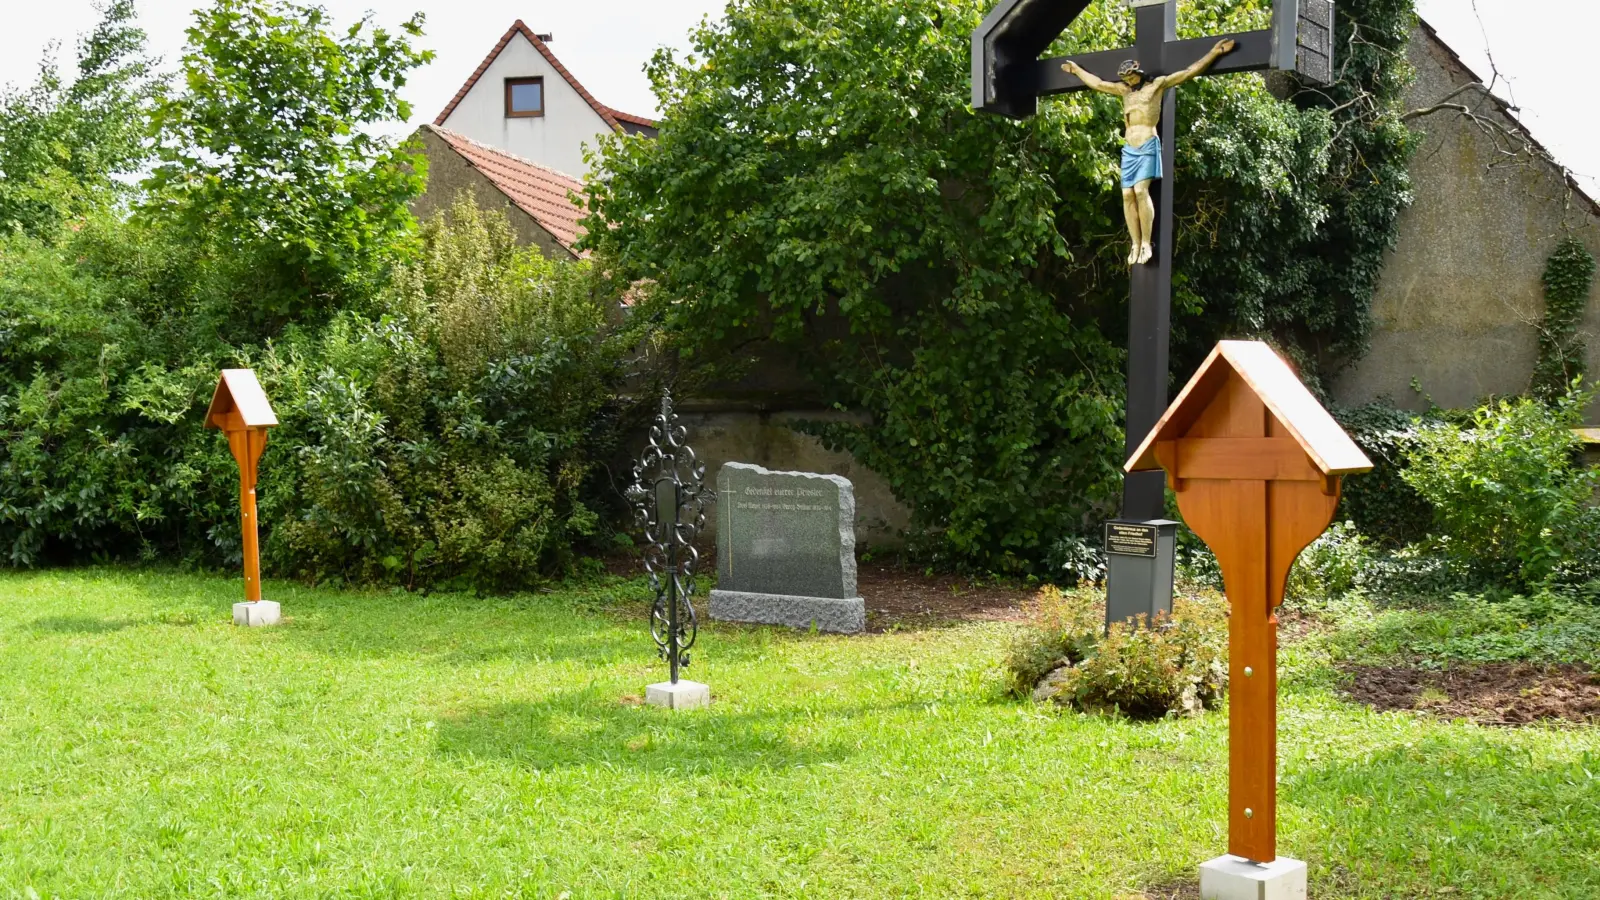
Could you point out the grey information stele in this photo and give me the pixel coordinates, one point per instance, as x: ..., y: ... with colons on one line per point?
x: 1139, y: 558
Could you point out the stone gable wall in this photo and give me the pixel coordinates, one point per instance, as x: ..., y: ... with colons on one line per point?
x: 1460, y: 301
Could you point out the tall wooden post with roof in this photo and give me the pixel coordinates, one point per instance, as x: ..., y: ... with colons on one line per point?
x: 1256, y: 464
x: 239, y: 408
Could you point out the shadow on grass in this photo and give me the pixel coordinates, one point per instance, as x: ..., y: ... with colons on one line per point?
x: 465, y: 630
x: 81, y: 625
x: 592, y: 729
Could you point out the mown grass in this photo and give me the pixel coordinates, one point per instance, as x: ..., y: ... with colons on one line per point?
x: 384, y: 745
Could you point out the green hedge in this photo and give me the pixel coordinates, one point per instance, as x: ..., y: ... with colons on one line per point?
x: 449, y: 435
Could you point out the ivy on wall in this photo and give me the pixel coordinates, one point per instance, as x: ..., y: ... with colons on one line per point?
x: 1568, y: 275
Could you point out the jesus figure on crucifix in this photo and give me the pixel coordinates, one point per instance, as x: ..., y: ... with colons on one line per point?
x: 1141, y: 151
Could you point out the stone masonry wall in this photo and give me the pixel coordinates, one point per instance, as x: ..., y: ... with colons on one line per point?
x: 1460, y: 300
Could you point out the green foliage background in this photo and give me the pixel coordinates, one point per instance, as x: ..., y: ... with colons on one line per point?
x: 820, y: 182
x: 1510, y: 495
x: 445, y: 398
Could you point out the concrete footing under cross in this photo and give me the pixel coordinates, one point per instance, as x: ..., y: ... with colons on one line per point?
x: 683, y: 695
x: 261, y: 612
x: 1232, y: 878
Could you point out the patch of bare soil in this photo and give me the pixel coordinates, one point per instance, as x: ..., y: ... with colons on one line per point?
x: 1297, y: 626
x: 899, y: 597
x: 1491, y: 693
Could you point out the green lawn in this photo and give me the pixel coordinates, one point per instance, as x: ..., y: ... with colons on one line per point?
x: 385, y: 745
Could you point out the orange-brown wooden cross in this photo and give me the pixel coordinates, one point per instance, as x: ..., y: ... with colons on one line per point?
x: 1256, y: 464
x: 240, y: 409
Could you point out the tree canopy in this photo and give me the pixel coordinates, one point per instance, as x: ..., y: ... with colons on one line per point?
x: 62, y: 145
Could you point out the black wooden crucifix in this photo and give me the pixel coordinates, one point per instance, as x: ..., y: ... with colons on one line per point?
x: 1008, y: 78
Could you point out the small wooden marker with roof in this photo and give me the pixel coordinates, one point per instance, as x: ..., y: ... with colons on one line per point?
x: 1256, y: 463
x: 240, y: 409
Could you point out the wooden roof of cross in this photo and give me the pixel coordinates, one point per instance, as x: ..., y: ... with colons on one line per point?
x: 239, y: 392
x: 1324, y: 442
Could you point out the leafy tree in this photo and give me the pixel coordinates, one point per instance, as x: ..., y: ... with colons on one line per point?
x: 821, y: 182
x: 267, y: 152
x: 62, y: 146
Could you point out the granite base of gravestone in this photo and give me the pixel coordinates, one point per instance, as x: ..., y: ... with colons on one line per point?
x: 786, y: 550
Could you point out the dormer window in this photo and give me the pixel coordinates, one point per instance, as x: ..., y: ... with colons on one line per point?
x: 524, y: 97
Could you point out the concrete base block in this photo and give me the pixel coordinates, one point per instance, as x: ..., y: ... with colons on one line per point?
x: 261, y: 612
x: 828, y: 614
x: 1232, y: 878
x: 683, y: 695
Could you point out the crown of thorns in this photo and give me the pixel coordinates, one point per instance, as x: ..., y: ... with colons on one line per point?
x: 1131, y: 67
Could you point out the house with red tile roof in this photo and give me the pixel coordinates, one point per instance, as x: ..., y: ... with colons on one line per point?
x: 522, y: 100
x: 513, y: 139
x: 542, y: 205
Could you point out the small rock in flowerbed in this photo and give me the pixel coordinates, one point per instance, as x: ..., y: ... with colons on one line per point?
x: 1175, y: 665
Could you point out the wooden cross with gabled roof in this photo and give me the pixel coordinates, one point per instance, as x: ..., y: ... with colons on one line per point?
x: 1256, y: 463
x: 240, y: 409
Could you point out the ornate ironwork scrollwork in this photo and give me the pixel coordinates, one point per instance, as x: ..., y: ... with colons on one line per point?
x: 669, y: 500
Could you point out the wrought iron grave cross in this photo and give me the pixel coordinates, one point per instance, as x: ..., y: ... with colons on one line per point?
x: 1008, y: 78
x: 669, y: 497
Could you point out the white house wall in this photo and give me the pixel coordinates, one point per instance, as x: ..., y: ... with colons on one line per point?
x: 555, y: 139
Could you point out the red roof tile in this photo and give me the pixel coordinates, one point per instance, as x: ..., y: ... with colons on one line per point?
x: 539, y: 191
x: 630, y: 118
x: 606, y: 113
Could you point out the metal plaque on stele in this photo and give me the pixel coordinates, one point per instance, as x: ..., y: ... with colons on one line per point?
x: 1130, y: 539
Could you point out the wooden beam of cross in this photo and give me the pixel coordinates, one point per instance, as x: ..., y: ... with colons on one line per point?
x: 1009, y: 77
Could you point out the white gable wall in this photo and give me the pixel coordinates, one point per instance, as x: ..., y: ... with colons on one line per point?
x: 555, y: 139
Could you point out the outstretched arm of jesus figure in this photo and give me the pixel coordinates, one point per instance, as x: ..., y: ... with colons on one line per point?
x: 1094, y: 83
x: 1223, y: 47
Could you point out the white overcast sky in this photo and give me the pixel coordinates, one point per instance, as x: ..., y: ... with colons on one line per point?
x: 1541, y: 46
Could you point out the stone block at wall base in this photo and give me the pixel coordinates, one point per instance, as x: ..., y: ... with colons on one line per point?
x: 827, y: 614
x: 1232, y: 878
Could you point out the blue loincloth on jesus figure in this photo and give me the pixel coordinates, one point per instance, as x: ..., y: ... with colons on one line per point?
x: 1141, y: 163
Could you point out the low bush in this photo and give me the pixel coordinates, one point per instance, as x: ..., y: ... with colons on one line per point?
x: 1478, y: 627
x: 1332, y: 566
x: 1509, y: 493
x: 454, y: 441
x: 1077, y: 559
x: 1175, y: 665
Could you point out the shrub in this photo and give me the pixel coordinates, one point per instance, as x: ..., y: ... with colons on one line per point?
x: 1480, y: 627
x: 1332, y: 566
x: 1175, y: 665
x: 1381, y: 503
x: 1508, y: 492
x: 1076, y: 559
x: 453, y: 439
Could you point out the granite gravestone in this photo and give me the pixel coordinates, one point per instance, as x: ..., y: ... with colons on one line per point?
x: 786, y: 550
